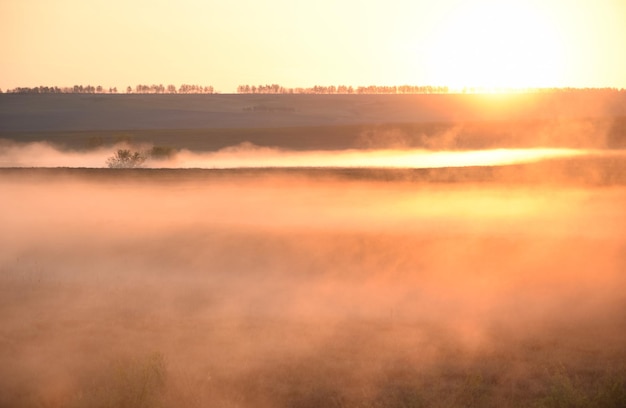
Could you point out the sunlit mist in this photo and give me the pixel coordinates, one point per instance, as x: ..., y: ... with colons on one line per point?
x: 371, y: 159
x: 279, y: 289
x: 250, y: 156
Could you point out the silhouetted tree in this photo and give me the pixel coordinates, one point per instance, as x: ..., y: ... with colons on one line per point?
x: 125, y: 159
x: 341, y: 89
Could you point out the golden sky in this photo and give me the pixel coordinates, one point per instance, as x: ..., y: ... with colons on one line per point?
x: 458, y: 43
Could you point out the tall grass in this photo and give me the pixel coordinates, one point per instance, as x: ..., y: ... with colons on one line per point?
x: 568, y: 390
x: 128, y: 383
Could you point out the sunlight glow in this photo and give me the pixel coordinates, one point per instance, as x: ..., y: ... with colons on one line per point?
x: 495, y: 46
x: 250, y: 156
x: 262, y: 157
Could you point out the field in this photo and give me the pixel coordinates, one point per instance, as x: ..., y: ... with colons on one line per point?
x: 320, y: 122
x: 481, y: 286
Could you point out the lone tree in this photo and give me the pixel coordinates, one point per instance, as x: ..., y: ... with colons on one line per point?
x: 125, y: 159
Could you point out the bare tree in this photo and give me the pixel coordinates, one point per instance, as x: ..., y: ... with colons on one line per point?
x: 125, y: 159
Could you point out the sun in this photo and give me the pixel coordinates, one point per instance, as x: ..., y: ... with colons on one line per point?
x: 494, y: 45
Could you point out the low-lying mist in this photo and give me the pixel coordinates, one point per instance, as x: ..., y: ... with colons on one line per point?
x: 246, y: 155
x: 251, y: 157
x: 266, y: 289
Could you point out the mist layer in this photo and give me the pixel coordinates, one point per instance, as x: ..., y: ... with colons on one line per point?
x: 249, y: 156
x: 263, y: 289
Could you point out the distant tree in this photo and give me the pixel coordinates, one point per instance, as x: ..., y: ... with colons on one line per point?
x: 125, y: 159
x: 129, y: 89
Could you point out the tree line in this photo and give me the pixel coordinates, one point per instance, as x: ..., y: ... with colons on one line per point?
x: 138, y: 89
x: 406, y: 89
x: 278, y: 89
x: 341, y: 89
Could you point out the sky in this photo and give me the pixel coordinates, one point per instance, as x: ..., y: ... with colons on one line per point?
x: 456, y: 43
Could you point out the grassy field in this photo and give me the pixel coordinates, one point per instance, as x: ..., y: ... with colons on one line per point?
x: 483, y: 286
x: 69, y: 112
x: 307, y: 288
x: 317, y: 122
x: 579, y: 133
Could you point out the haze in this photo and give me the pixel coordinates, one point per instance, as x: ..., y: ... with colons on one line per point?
x: 250, y: 156
x: 282, y: 289
x: 484, y: 43
x: 461, y: 244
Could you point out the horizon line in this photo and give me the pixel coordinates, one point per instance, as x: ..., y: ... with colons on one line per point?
x: 275, y: 89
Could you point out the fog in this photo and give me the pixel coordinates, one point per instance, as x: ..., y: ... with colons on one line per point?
x: 251, y: 157
x: 289, y: 289
x: 247, y: 155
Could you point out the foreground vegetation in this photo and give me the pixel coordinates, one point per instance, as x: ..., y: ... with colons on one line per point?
x: 309, y: 288
x: 339, y: 376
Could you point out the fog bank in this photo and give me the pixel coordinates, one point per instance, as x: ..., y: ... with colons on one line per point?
x: 290, y: 290
x: 247, y: 155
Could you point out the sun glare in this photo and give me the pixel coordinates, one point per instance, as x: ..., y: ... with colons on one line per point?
x: 497, y: 46
x: 441, y: 159
x: 410, y: 159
